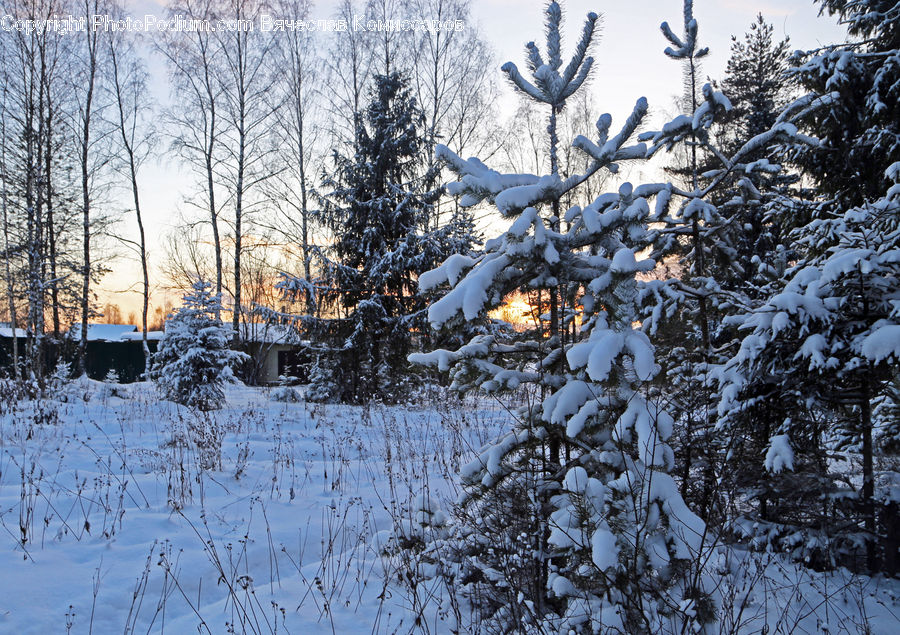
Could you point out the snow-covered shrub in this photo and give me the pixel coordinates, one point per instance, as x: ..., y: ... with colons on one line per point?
x: 285, y: 394
x: 207, y: 436
x: 110, y: 386
x: 194, y: 361
x: 43, y: 412
x: 325, y: 378
x: 11, y: 392
x: 60, y: 384
x: 61, y: 376
x: 487, y: 556
x: 419, y: 522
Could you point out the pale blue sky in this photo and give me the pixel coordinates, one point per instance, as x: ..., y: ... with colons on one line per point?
x: 629, y: 64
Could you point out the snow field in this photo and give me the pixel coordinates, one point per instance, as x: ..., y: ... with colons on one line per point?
x: 122, y: 513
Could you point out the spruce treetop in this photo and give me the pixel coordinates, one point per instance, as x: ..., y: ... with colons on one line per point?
x: 550, y: 86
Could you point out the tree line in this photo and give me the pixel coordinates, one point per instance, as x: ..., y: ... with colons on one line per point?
x: 254, y: 118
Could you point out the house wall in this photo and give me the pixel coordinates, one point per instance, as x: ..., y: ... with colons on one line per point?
x: 295, y: 363
x: 273, y: 360
x: 6, y: 347
x: 126, y: 358
x: 269, y: 367
x: 52, y: 353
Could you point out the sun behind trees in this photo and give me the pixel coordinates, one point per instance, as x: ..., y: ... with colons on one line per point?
x: 602, y: 540
x: 574, y: 507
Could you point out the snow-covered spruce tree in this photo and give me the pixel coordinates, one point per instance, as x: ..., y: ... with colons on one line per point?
x: 571, y: 520
x: 805, y: 359
x: 702, y: 226
x: 378, y: 208
x: 826, y: 346
x: 193, y: 360
x: 757, y: 86
x: 755, y: 83
x: 699, y: 237
x: 860, y: 128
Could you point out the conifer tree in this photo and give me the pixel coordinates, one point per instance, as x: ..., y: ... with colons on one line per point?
x: 194, y: 361
x: 753, y: 231
x: 698, y: 235
x: 820, y: 353
x: 757, y: 85
x: 378, y: 207
x: 703, y: 230
x: 860, y: 126
x: 755, y: 82
x: 571, y: 519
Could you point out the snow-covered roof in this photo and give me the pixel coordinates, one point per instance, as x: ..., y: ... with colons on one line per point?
x: 269, y: 333
x: 6, y: 331
x: 103, y: 332
x: 138, y: 336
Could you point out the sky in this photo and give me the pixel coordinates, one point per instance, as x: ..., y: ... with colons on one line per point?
x: 629, y: 63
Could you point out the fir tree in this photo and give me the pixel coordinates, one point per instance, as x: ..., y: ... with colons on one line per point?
x: 858, y: 84
x: 755, y: 82
x: 194, y: 361
x: 378, y: 209
x: 756, y: 229
x: 699, y: 237
x: 822, y: 352
x: 757, y: 86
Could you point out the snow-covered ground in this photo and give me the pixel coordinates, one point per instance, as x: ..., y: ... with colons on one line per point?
x: 120, y: 513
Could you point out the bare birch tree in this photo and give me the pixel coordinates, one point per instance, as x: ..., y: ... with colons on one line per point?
x: 245, y: 83
x: 84, y: 89
x: 348, y: 66
x: 53, y: 59
x: 194, y: 66
x: 4, y: 207
x: 128, y: 83
x: 295, y: 111
x: 391, y: 47
x: 25, y: 70
x: 452, y: 77
x: 37, y: 159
